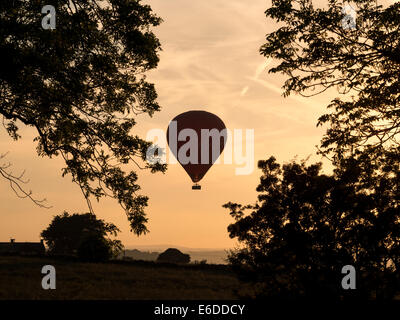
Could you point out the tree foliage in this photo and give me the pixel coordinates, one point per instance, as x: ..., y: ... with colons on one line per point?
x: 82, y: 87
x: 94, y: 249
x: 316, y: 53
x: 83, y: 235
x: 307, y: 225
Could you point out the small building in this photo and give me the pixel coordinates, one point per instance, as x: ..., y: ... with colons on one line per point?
x: 22, y: 248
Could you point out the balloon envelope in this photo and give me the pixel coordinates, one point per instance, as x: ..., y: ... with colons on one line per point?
x: 197, y: 148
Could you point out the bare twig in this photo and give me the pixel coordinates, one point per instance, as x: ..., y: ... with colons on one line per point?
x: 17, y: 182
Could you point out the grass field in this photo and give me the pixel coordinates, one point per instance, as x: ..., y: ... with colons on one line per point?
x: 20, y: 278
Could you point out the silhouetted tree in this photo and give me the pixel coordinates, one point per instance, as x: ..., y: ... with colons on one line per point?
x: 316, y: 52
x: 80, y: 87
x: 307, y: 225
x: 173, y: 255
x: 83, y: 235
x: 94, y: 249
x: 360, y: 199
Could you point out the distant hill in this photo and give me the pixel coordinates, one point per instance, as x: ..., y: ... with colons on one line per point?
x: 163, y: 247
x: 150, y: 253
x: 214, y: 257
x: 141, y: 255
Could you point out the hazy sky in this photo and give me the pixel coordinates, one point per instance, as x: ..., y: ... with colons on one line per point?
x: 210, y: 61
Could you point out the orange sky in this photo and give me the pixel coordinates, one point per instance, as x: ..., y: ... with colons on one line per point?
x: 210, y: 61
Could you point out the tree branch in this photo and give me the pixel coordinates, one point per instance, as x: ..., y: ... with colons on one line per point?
x: 17, y: 182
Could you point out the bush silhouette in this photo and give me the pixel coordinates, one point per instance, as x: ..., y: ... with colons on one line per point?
x: 173, y: 255
x: 94, y: 249
x: 307, y: 225
x: 79, y: 234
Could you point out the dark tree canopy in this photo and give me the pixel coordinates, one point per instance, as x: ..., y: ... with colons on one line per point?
x: 316, y: 53
x: 83, y: 235
x: 94, y: 249
x: 307, y: 225
x: 81, y: 87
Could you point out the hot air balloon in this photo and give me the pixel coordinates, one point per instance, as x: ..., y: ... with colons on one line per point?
x: 196, y: 138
